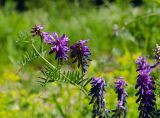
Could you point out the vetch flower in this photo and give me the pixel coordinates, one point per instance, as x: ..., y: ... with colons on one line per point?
x: 97, y: 94
x: 47, y: 38
x: 122, y: 94
x: 60, y: 46
x: 81, y: 54
x: 36, y: 30
x: 145, y: 83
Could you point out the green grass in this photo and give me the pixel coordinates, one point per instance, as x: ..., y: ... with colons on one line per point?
x: 21, y: 96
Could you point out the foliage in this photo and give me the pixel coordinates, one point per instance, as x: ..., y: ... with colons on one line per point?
x: 138, y: 32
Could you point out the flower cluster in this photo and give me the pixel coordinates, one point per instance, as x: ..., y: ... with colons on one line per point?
x: 145, y: 83
x: 36, y: 30
x: 122, y: 94
x: 97, y: 94
x: 60, y: 45
x: 81, y: 54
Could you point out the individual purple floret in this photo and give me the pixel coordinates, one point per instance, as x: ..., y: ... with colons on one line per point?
x: 60, y: 45
x: 122, y: 94
x: 145, y: 83
x: 47, y: 38
x: 97, y: 94
x: 36, y: 30
x: 81, y: 54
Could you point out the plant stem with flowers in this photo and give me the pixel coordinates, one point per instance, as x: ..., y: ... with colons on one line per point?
x: 80, y: 54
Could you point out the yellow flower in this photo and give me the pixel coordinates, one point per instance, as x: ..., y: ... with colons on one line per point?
x: 123, y: 60
x: 10, y: 76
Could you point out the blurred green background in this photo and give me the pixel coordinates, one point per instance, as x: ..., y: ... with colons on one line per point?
x: 118, y: 31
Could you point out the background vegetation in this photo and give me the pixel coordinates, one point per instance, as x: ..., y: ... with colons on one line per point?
x: 118, y: 33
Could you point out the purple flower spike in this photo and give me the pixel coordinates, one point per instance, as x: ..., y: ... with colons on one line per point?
x: 60, y: 46
x: 120, y: 84
x: 81, y: 54
x: 122, y: 94
x: 97, y: 94
x: 36, y: 30
x: 145, y: 83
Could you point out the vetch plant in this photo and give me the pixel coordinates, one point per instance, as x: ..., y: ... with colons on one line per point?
x: 80, y: 53
x: 60, y: 46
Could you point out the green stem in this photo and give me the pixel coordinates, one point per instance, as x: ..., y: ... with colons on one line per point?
x: 42, y: 57
x: 82, y: 89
